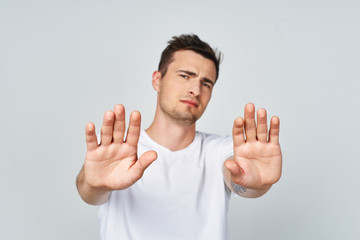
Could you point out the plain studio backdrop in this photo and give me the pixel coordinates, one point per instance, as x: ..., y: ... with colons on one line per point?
x: 64, y: 63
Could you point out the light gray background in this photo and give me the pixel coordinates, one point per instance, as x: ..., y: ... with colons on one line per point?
x: 64, y: 63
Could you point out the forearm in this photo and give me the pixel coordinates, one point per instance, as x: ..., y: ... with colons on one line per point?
x: 89, y: 194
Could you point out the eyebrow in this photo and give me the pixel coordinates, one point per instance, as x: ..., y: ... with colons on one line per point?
x: 207, y: 80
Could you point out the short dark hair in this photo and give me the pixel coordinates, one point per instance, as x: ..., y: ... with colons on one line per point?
x: 188, y: 42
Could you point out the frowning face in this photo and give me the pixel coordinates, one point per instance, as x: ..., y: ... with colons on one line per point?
x: 185, y: 90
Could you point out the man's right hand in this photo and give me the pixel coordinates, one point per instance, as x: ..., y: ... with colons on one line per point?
x: 113, y: 164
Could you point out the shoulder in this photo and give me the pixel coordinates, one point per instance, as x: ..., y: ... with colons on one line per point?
x: 213, y: 138
x: 210, y: 141
x: 216, y: 147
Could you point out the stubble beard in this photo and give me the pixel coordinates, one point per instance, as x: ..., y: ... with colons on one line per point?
x: 185, y: 118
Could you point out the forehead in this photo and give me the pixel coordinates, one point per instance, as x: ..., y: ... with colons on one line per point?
x: 194, y: 62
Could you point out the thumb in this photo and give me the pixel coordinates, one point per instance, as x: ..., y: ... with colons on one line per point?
x: 142, y: 163
x: 235, y: 170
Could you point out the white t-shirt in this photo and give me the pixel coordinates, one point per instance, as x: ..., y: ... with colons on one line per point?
x: 182, y: 195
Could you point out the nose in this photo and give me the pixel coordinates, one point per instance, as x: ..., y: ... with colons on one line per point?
x: 194, y: 88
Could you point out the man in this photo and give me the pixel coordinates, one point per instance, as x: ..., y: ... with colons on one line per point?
x: 184, y: 192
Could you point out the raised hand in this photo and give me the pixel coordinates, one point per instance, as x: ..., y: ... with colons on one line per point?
x: 257, y: 157
x: 113, y: 164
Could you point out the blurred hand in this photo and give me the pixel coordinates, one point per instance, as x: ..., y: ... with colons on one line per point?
x: 257, y: 158
x: 113, y: 164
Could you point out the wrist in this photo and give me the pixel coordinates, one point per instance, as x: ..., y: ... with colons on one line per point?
x: 90, y: 194
x: 249, y: 192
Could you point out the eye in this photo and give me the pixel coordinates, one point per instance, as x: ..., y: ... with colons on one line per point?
x: 184, y: 76
x: 206, y: 85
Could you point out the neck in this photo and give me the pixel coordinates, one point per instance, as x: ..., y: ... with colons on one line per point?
x: 170, y: 134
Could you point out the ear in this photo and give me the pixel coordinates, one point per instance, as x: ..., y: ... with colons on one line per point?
x: 156, y: 77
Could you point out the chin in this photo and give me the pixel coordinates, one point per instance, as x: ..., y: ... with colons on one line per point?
x: 183, y: 116
x: 184, y: 119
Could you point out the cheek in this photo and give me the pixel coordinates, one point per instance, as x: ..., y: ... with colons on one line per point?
x: 206, y: 96
x: 169, y: 92
x: 170, y: 86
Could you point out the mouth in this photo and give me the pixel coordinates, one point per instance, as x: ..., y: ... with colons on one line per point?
x: 190, y: 103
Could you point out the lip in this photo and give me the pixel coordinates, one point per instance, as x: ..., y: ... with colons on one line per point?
x: 190, y: 103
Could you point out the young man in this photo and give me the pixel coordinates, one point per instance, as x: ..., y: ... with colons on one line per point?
x: 184, y: 192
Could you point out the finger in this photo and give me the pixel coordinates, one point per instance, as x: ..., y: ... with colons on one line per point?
x: 235, y: 171
x: 137, y: 170
x: 250, y: 126
x: 119, y: 124
x: 91, y: 139
x: 107, y: 128
x: 133, y: 133
x: 238, y: 132
x: 261, y: 129
x: 274, y: 130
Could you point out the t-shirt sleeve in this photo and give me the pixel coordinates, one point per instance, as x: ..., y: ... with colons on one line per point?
x: 227, y: 148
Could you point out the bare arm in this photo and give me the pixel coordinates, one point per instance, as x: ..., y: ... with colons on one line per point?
x: 257, y: 161
x: 113, y: 164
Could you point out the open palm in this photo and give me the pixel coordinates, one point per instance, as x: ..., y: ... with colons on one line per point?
x: 113, y: 164
x: 257, y: 155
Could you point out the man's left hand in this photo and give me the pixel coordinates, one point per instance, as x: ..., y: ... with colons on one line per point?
x: 257, y: 157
